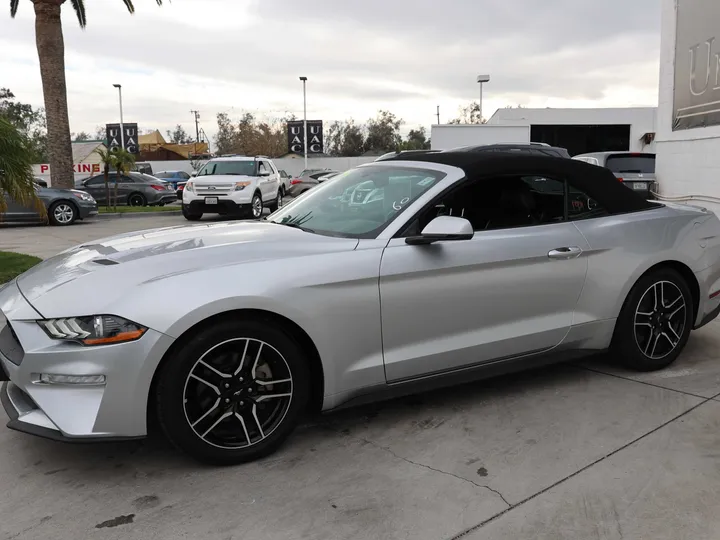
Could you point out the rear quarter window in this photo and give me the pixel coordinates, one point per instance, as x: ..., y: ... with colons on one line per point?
x: 635, y: 163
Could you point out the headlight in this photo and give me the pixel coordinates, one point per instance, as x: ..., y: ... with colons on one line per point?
x: 239, y: 186
x: 93, y: 330
x: 83, y: 196
x: 189, y: 187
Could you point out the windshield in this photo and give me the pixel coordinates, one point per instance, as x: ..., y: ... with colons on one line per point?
x: 358, y: 203
x: 631, y: 163
x: 241, y: 168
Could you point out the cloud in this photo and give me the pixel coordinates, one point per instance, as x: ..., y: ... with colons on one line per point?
x: 406, y: 56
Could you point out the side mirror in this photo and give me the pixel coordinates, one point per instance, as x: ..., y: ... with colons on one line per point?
x: 444, y: 228
x: 263, y: 173
x: 193, y: 174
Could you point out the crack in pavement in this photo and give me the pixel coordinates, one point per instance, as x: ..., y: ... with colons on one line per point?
x: 428, y: 467
x: 480, y: 525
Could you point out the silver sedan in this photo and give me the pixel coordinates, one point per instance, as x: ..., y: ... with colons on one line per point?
x: 389, y: 279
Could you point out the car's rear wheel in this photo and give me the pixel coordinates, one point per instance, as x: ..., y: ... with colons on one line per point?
x: 233, y: 393
x: 655, y: 322
x: 278, y: 202
x: 256, y: 206
x: 190, y: 216
x: 62, y: 213
x: 137, y: 199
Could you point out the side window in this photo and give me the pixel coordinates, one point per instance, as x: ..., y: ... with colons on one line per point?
x: 270, y: 167
x: 127, y: 180
x: 184, y: 175
x: 504, y: 202
x: 261, y: 167
x: 581, y: 206
x: 95, y: 181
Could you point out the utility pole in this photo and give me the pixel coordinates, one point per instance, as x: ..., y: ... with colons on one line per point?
x: 438, y: 114
x: 196, y: 114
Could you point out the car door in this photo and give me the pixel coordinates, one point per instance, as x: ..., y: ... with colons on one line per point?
x: 16, y: 211
x: 274, y: 183
x: 95, y: 186
x: 509, y: 291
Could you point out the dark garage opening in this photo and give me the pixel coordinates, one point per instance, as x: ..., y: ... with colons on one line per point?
x: 580, y: 139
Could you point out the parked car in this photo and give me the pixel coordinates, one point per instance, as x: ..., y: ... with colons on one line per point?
x: 237, y: 185
x: 134, y: 189
x: 484, y: 262
x: 63, y: 207
x: 143, y: 167
x: 636, y: 170
x: 284, y: 181
x: 532, y: 148
x: 307, y: 180
x: 173, y: 177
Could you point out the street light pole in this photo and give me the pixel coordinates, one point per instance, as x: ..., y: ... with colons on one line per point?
x: 305, y: 140
x: 122, y: 129
x: 482, y: 79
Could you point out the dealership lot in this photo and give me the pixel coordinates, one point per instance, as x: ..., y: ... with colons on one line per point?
x: 573, y: 451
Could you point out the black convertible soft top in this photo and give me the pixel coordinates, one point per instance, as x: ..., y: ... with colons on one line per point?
x: 596, y: 182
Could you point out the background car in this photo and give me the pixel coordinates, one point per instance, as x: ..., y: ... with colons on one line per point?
x: 133, y: 189
x: 173, y: 177
x: 63, y: 207
x: 284, y: 181
x: 634, y: 169
x: 308, y: 179
x: 453, y: 267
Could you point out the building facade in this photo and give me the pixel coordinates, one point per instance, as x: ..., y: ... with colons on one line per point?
x: 688, y: 123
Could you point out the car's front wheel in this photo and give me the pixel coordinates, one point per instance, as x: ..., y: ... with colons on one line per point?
x: 233, y: 392
x: 62, y: 213
x: 655, y: 322
x: 256, y: 206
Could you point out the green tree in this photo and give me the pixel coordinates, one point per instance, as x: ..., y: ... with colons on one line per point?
x: 179, y: 136
x: 16, y: 176
x: 383, y: 132
x: 80, y: 137
x: 28, y: 121
x: 345, y: 139
x: 469, y: 114
x: 51, y: 53
x: 416, y: 140
x: 107, y: 160
x: 123, y: 162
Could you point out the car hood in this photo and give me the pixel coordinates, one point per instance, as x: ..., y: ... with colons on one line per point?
x: 112, y: 266
x: 222, y: 178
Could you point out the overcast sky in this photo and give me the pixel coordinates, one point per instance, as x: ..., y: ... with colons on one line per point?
x: 407, y: 56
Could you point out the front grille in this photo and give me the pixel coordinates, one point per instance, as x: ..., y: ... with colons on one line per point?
x: 10, y: 346
x: 214, y: 189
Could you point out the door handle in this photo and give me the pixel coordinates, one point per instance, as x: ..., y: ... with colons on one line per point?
x: 571, y: 252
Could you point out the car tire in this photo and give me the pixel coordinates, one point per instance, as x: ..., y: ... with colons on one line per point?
x: 190, y: 216
x: 278, y: 202
x: 655, y: 321
x: 214, y: 397
x: 136, y: 199
x: 256, y: 206
x: 62, y: 213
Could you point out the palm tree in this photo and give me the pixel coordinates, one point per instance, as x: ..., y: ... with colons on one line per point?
x: 124, y: 162
x: 16, y: 176
x: 107, y: 158
x: 51, y: 53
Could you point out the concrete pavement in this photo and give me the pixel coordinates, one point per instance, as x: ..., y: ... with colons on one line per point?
x: 567, y: 452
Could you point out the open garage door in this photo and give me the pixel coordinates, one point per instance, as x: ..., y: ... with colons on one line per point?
x: 580, y: 139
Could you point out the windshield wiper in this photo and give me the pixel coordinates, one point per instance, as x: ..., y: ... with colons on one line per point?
x: 294, y: 226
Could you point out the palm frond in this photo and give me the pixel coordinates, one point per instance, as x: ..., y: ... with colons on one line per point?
x: 160, y: 2
x: 13, y: 7
x: 79, y: 7
x: 129, y: 5
x: 16, y: 176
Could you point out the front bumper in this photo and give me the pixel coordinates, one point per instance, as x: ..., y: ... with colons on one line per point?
x: 87, y: 210
x: 223, y: 206
x: 116, y: 409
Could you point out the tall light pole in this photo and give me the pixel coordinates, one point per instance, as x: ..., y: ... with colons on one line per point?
x: 304, y: 81
x: 122, y: 130
x: 482, y: 79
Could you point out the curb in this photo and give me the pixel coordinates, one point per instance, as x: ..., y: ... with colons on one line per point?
x: 128, y: 215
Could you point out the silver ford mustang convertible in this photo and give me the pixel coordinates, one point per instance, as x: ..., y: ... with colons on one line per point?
x: 391, y: 278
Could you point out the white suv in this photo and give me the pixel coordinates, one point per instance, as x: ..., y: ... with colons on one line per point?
x: 233, y: 185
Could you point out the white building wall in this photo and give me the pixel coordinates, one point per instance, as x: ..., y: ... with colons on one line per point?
x: 640, y: 119
x: 688, y: 161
